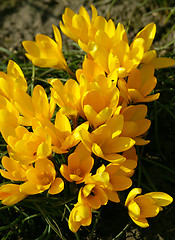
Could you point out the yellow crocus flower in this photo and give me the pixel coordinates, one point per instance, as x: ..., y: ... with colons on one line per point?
x: 79, y: 26
x: 24, y: 146
x: 11, y: 81
x: 80, y: 215
x: 135, y: 123
x: 145, y: 206
x: 79, y: 165
x: 63, y: 138
x: 10, y: 194
x: 150, y: 56
x: 92, y: 195
x: 42, y: 177
x: 67, y: 97
x: 13, y: 169
x: 45, y: 52
x: 106, y: 142
x: 140, y: 83
x: 111, y: 179
x: 35, y: 107
x: 100, y: 101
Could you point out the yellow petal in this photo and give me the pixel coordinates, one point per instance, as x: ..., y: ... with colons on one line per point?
x: 120, y: 183
x: 163, y: 62
x: 149, y: 56
x: 161, y: 198
x: 118, y: 144
x: 32, y: 48
x: 57, y: 36
x: 130, y: 129
x: 24, y: 103
x: 64, y: 170
x: 147, y: 206
x: 149, y: 98
x: 97, y: 150
x: 14, y: 198
x: 112, y: 196
x: 140, y: 141
x: 57, y: 186
x: 62, y: 123
x: 133, y: 209
x: 148, y: 34
x: 116, y: 158
x: 141, y: 222
x: 86, y: 139
x: 40, y: 102
x: 29, y: 189
x: 132, y: 194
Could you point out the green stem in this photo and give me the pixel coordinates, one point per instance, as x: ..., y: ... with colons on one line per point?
x: 94, y: 226
x: 70, y: 73
x: 33, y: 78
x: 56, y: 230
x: 11, y: 224
x: 123, y: 231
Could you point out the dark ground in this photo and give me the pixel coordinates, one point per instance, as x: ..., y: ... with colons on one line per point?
x: 22, y: 20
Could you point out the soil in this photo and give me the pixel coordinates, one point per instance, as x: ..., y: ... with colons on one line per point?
x: 22, y: 20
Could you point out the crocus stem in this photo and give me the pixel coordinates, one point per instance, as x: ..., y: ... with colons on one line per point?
x: 70, y: 73
x: 33, y: 78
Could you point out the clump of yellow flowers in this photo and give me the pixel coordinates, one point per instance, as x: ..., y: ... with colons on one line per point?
x: 101, y: 118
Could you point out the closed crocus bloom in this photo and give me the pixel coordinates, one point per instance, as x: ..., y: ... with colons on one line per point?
x: 144, y: 206
x: 14, y: 170
x: 150, y: 56
x: 135, y: 123
x: 139, y: 85
x: 45, y: 52
x: 12, y: 80
x: 80, y: 215
x: 42, y: 177
x: 10, y: 194
x: 90, y: 70
x: 79, y: 165
x: 100, y: 102
x: 78, y: 26
x: 35, y: 107
x: 105, y: 141
x: 67, y: 97
x: 111, y: 179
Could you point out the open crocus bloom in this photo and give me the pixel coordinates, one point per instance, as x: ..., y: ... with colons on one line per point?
x: 105, y: 141
x: 42, y: 177
x: 144, y: 206
x: 80, y: 164
x: 92, y: 195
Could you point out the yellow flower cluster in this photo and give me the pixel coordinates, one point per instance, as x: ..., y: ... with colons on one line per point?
x: 98, y: 123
